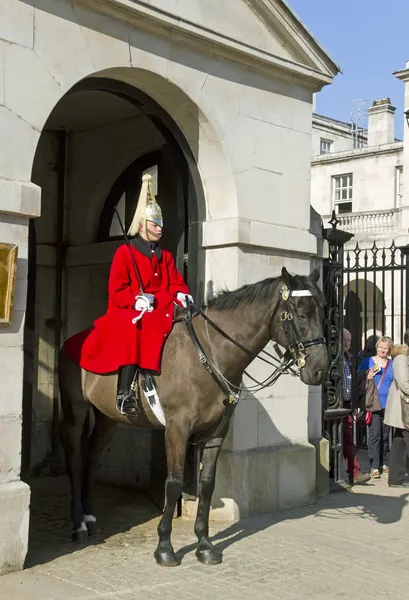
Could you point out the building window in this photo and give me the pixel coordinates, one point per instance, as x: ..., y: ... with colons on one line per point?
x: 342, y: 193
x: 325, y: 146
x: 399, y: 186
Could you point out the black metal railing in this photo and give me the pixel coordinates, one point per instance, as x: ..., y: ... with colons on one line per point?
x: 375, y: 294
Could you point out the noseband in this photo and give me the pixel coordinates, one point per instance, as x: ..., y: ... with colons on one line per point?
x: 296, y: 346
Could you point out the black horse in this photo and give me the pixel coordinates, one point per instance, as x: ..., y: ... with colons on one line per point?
x: 287, y: 309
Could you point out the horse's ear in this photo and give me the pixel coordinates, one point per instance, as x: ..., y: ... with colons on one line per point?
x: 287, y: 278
x: 315, y: 275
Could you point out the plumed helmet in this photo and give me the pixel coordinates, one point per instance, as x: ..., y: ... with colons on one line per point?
x: 147, y: 208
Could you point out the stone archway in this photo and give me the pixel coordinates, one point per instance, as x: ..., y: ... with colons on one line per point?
x: 85, y: 147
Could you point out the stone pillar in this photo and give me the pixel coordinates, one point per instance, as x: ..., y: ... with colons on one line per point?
x: 381, y: 123
x: 404, y: 76
x: 18, y: 202
x: 267, y: 461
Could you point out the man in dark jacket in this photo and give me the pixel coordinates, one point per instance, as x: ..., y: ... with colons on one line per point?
x: 351, y: 401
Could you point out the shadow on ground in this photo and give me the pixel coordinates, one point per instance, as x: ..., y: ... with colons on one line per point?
x: 128, y: 518
x: 118, y: 510
x: 346, y: 505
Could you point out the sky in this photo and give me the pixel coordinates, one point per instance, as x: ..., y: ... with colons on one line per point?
x: 368, y: 39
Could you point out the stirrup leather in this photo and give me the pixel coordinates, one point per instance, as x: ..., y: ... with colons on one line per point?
x: 148, y: 386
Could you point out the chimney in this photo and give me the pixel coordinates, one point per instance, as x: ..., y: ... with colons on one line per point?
x: 381, y: 123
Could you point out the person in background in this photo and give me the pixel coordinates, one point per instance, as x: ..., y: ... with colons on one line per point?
x: 350, y: 401
x: 369, y: 349
x: 396, y: 417
x: 378, y: 379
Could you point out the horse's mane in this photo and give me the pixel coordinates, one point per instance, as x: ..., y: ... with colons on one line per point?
x: 257, y: 293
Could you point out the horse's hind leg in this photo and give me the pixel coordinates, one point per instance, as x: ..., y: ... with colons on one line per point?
x: 92, y: 449
x: 176, y: 438
x: 74, y: 420
x: 206, y: 553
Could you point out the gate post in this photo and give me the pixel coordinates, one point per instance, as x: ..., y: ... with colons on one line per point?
x: 332, y: 391
x: 404, y: 250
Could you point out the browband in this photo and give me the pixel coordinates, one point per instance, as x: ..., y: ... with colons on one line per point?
x: 300, y: 293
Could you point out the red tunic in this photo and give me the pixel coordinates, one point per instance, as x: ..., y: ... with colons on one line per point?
x: 114, y: 340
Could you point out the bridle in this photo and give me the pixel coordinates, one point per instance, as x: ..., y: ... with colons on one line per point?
x: 296, y: 347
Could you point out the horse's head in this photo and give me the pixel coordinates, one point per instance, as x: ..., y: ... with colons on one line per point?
x: 299, y: 322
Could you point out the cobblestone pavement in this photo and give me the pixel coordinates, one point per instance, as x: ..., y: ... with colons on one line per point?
x: 350, y: 544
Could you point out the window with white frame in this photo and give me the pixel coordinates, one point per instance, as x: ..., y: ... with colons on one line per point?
x: 325, y: 146
x: 398, y: 186
x: 342, y: 193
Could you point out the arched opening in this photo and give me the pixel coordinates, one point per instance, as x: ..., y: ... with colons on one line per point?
x: 98, y: 141
x: 364, y: 312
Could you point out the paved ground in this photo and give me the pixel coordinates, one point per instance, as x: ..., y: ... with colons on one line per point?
x: 349, y: 545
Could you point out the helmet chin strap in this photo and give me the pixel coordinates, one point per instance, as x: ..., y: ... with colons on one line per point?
x: 145, y: 233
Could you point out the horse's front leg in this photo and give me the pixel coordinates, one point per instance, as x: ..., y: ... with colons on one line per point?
x: 176, y: 438
x: 206, y: 553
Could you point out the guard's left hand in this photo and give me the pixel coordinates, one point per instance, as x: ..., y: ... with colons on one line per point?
x: 181, y: 297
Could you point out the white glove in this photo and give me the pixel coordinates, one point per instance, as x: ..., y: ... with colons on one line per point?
x: 181, y: 297
x: 142, y: 303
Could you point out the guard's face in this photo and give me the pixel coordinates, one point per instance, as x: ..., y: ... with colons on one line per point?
x: 153, y: 231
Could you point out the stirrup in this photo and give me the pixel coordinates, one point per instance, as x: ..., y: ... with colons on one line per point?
x: 134, y: 409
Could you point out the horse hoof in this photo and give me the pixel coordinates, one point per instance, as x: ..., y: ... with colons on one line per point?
x: 209, y: 556
x: 91, y: 527
x: 166, y: 558
x: 80, y: 536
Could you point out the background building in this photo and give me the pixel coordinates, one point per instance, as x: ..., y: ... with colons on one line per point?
x: 366, y: 186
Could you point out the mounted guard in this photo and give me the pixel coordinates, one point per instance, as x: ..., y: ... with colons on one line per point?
x: 144, y: 285
x: 201, y: 369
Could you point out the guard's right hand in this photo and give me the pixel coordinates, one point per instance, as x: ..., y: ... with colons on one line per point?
x: 142, y: 303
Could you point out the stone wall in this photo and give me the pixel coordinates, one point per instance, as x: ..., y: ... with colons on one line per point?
x: 18, y: 202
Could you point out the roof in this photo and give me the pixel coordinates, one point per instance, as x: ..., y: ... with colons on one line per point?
x: 310, y: 34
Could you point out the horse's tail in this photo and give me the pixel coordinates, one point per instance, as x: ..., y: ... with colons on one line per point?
x: 71, y: 384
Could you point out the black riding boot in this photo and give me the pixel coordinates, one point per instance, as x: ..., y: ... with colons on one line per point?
x: 126, y: 402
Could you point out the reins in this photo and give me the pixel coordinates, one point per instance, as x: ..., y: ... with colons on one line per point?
x: 295, y: 355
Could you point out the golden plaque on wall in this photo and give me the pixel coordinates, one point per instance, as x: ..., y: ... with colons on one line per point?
x: 8, y: 270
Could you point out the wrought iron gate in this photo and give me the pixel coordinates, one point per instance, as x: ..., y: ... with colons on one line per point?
x: 367, y: 292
